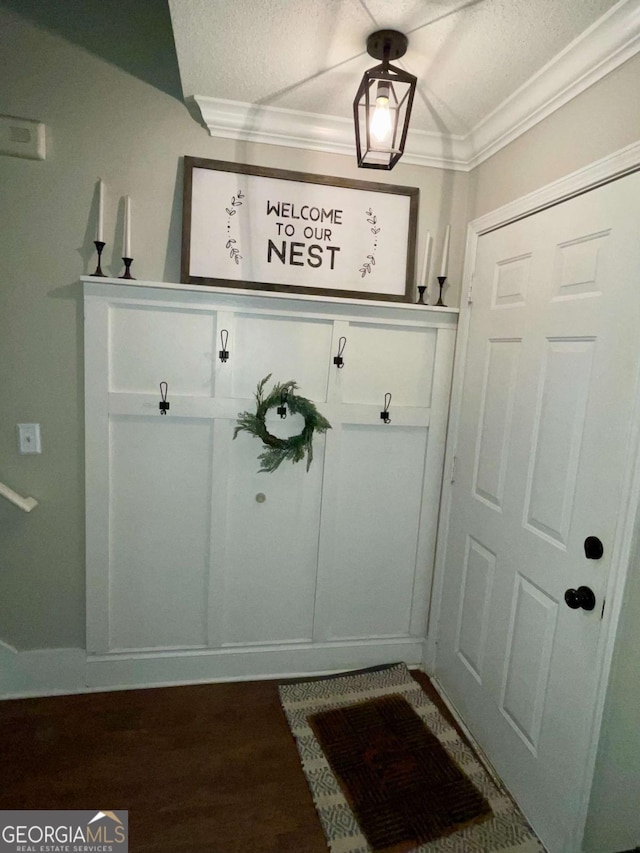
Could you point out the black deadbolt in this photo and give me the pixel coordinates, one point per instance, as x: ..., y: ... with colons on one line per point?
x: 593, y: 549
x: 581, y: 597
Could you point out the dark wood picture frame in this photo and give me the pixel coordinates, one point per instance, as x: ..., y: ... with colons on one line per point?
x: 385, y: 191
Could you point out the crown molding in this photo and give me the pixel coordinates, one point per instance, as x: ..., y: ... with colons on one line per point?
x: 330, y: 134
x: 610, y: 41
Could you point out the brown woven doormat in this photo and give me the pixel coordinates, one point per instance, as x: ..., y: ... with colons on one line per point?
x: 399, y: 780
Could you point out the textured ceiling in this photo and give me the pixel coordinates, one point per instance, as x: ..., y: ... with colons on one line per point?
x: 309, y: 55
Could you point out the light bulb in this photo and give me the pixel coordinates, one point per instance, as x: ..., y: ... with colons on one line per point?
x: 381, y: 121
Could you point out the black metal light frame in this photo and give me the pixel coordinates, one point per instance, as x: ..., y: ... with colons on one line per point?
x: 385, y: 45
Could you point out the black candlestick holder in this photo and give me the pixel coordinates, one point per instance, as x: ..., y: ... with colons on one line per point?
x: 421, y: 290
x: 99, y: 247
x: 441, y: 281
x: 127, y: 269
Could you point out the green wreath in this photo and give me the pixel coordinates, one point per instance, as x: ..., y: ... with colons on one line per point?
x: 279, y: 449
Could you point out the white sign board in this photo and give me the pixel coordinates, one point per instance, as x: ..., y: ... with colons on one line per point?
x: 268, y: 229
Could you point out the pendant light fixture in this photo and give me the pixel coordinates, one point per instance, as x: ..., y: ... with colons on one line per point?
x: 382, y: 106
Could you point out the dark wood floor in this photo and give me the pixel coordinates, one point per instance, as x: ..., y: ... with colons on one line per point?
x: 202, y: 768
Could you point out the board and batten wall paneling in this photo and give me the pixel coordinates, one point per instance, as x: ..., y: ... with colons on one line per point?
x: 272, y: 542
x: 160, y: 499
x: 369, y: 543
x: 177, y: 348
x: 191, y: 550
x: 285, y: 348
x: 396, y: 359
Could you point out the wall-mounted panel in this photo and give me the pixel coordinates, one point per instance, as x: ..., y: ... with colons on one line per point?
x: 381, y: 359
x: 374, y: 536
x: 193, y: 555
x: 151, y: 345
x: 285, y: 347
x: 271, y: 542
x: 160, y: 515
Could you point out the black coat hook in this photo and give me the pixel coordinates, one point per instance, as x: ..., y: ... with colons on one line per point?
x: 338, y: 359
x: 163, y: 405
x: 384, y: 415
x: 282, y: 408
x: 223, y: 354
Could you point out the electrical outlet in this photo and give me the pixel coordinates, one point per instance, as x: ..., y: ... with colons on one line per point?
x: 29, y: 438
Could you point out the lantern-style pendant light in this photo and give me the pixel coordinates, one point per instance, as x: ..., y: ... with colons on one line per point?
x: 382, y: 106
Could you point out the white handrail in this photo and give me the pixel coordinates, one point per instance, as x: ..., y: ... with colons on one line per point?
x: 26, y: 504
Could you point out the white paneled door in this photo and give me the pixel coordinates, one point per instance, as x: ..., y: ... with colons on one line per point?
x: 541, y: 457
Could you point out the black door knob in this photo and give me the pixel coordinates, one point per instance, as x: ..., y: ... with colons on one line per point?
x: 581, y: 597
x: 593, y: 549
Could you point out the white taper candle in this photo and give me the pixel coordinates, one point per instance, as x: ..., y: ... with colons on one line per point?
x: 427, y: 253
x: 100, y: 226
x: 127, y: 228
x: 445, y: 253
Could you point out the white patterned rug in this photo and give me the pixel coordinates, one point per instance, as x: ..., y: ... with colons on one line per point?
x: 506, y: 831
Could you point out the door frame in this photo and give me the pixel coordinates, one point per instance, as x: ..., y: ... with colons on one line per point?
x: 617, y: 165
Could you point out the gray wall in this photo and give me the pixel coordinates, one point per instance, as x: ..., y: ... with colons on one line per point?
x: 614, y: 813
x: 596, y: 123
x: 105, y: 83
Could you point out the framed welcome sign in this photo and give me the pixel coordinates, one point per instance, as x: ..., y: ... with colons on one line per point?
x: 270, y: 229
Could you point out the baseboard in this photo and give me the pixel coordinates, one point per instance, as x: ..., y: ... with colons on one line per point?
x: 429, y: 649
x: 52, y: 672
x: 40, y: 672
